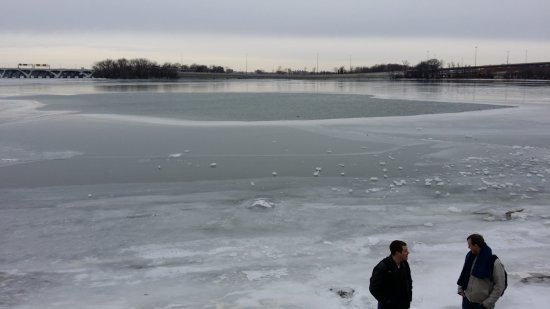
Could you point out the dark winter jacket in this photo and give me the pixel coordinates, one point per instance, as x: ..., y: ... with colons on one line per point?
x: 391, y: 285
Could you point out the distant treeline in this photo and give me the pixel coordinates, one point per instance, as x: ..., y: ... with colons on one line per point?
x: 424, y: 69
x: 201, y: 68
x: 419, y: 71
x: 377, y: 68
x: 134, y: 69
x: 141, y: 68
x: 430, y: 69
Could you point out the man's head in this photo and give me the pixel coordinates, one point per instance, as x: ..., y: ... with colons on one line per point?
x: 399, y: 251
x: 475, y: 243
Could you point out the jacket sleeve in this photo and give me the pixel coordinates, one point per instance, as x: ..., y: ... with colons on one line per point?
x: 377, y: 280
x: 410, y: 282
x: 498, y: 287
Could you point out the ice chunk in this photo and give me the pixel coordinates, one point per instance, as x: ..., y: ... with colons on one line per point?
x: 400, y: 183
x: 261, y: 204
x: 343, y: 292
x: 373, y: 190
x: 536, y: 278
x: 454, y: 210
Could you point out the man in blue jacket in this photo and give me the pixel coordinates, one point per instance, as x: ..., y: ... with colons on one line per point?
x: 391, y: 281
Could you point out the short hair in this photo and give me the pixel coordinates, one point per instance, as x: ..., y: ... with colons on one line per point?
x: 397, y: 246
x: 476, y: 239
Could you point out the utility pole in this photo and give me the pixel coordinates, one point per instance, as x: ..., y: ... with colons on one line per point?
x: 507, y: 56
x: 317, y: 66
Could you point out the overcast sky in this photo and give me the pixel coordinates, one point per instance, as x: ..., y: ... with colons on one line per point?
x: 265, y: 34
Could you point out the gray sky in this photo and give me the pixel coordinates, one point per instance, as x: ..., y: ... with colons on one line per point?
x: 265, y: 34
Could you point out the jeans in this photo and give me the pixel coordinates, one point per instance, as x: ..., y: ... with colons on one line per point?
x: 466, y: 304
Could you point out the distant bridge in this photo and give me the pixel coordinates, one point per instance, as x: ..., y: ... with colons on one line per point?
x: 44, y: 72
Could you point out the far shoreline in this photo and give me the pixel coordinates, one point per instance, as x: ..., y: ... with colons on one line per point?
x: 242, y: 75
x: 381, y: 76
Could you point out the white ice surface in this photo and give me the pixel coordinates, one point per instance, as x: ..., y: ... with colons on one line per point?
x: 211, y: 250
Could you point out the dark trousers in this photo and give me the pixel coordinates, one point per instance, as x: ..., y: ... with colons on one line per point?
x: 466, y: 304
x: 402, y: 306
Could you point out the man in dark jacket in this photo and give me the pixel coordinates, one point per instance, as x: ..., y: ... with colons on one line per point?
x: 391, y: 281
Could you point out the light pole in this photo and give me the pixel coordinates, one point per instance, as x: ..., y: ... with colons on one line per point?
x: 475, y: 58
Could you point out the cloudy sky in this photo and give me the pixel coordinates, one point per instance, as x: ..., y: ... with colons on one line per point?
x: 268, y: 34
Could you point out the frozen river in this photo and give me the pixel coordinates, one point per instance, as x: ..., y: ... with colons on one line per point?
x: 267, y: 194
